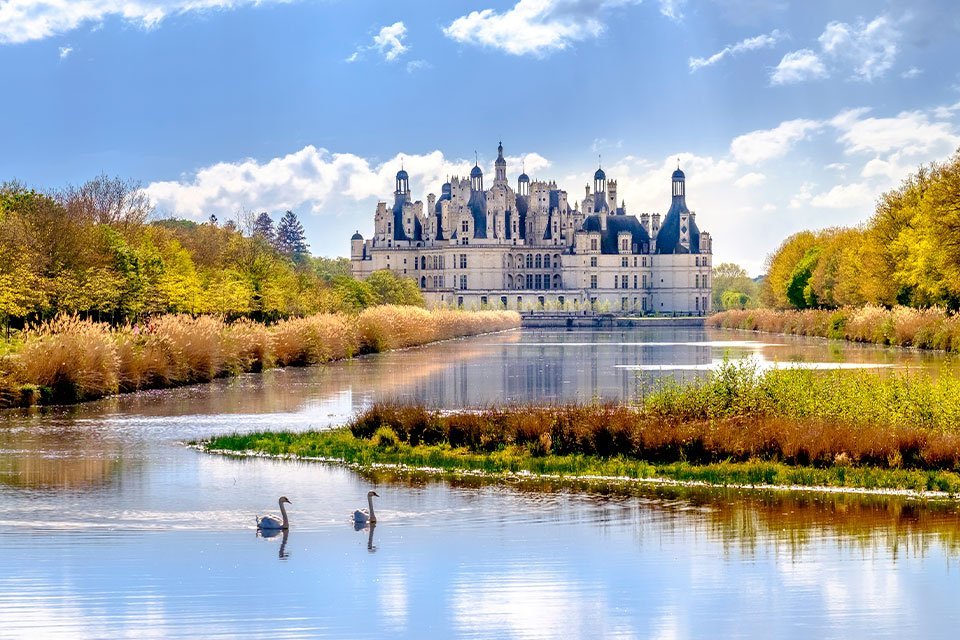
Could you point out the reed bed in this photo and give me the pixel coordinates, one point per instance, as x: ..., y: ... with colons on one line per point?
x: 71, y: 360
x: 739, y: 426
x: 932, y: 328
x: 790, y: 416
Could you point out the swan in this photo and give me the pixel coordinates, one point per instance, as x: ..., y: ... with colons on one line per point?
x: 273, y: 522
x: 362, y: 515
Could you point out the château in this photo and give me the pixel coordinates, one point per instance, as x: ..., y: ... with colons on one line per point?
x: 531, y: 247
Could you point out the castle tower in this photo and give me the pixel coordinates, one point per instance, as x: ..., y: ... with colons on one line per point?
x: 500, y: 165
x: 600, y: 200
x: 523, y: 184
x: 476, y: 178
x: 680, y: 200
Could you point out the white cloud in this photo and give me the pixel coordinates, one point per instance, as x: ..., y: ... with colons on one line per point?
x: 798, y: 66
x: 866, y: 50
x: 672, y: 9
x: 803, y: 196
x: 762, y: 41
x: 870, y: 48
x: 311, y: 178
x: 27, y: 20
x: 856, y: 195
x: 911, y: 133
x: 750, y: 180
x: 767, y: 144
x: 536, y: 27
x: 388, y: 42
x: 417, y: 65
x: 65, y: 52
x: 912, y: 72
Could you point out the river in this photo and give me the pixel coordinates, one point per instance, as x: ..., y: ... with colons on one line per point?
x: 114, y: 528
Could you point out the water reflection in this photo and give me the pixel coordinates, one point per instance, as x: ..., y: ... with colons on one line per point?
x: 127, y: 532
x: 273, y: 533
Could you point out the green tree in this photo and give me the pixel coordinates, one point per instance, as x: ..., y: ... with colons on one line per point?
x: 291, y: 239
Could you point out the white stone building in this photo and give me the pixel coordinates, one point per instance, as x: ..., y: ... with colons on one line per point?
x: 530, y: 247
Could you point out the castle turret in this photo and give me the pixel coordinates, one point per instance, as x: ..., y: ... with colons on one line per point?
x: 500, y: 166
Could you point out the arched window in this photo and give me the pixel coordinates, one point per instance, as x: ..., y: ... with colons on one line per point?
x: 529, y: 261
x: 546, y: 261
x: 539, y: 261
x: 423, y: 282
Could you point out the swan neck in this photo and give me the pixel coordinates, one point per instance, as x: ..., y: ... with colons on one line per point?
x: 283, y: 512
x: 373, y: 518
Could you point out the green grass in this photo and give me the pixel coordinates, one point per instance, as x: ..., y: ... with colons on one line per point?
x: 341, y: 444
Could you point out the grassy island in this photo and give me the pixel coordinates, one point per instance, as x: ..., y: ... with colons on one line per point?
x: 738, y: 427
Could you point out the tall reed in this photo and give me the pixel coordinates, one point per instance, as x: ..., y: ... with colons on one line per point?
x: 932, y: 328
x: 73, y: 360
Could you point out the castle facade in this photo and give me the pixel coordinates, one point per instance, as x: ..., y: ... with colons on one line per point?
x: 530, y: 247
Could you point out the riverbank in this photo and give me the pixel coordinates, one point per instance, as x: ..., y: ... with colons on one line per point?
x: 933, y: 328
x: 70, y: 360
x: 740, y: 427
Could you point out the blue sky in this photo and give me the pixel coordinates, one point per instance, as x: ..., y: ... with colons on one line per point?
x: 784, y: 115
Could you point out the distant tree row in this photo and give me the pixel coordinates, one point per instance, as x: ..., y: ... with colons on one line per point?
x: 733, y: 288
x: 908, y: 253
x: 93, y: 251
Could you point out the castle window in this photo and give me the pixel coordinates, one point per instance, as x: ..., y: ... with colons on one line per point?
x: 483, y: 301
x: 593, y: 282
x: 465, y: 226
x: 529, y: 261
x: 463, y: 282
x: 539, y: 261
x: 634, y: 260
x: 593, y: 261
x: 623, y: 304
x: 538, y: 282
x: 697, y: 261
x: 698, y: 303
x: 697, y: 281
x: 503, y: 301
x: 644, y: 262
x: 463, y: 261
x: 625, y: 245
x: 643, y: 303
x: 634, y: 281
x: 593, y: 244
x: 614, y: 281
x: 529, y: 281
x: 624, y: 262
x: 623, y: 282
x: 644, y: 281
x: 546, y: 261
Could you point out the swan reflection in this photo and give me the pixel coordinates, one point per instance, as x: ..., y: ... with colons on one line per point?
x: 359, y: 526
x: 273, y: 533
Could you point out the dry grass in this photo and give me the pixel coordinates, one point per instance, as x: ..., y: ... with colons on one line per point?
x: 73, y: 360
x: 932, y: 328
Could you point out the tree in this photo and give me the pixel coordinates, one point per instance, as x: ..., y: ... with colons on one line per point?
x: 263, y: 228
x: 291, y: 239
x: 733, y: 279
x: 104, y: 200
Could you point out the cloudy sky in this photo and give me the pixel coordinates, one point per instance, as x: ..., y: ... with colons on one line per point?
x: 784, y: 115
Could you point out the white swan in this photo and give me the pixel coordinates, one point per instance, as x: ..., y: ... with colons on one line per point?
x: 362, y: 515
x: 273, y: 522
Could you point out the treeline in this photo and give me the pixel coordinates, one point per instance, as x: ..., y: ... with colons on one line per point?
x: 93, y: 251
x: 908, y: 253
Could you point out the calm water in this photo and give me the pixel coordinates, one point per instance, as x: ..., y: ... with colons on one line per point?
x: 113, y: 528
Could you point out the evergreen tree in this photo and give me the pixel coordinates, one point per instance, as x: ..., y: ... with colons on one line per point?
x: 291, y: 239
x: 263, y: 228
